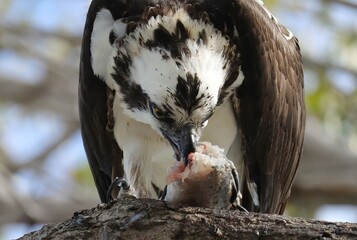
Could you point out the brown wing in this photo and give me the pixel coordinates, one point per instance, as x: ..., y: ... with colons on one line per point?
x: 103, y: 152
x: 269, y: 104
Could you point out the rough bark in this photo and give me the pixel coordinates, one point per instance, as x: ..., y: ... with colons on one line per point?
x: 132, y: 218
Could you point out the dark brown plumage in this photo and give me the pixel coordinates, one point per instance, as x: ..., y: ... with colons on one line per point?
x: 271, y: 106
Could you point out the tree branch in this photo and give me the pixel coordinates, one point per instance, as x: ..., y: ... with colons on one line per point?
x: 344, y: 3
x: 152, y: 219
x: 325, y: 65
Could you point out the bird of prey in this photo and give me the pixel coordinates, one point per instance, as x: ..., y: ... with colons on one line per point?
x: 157, y: 76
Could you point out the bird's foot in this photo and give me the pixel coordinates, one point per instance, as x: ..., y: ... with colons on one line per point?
x: 124, y: 189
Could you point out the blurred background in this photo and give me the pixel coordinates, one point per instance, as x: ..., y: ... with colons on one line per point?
x: 44, y: 176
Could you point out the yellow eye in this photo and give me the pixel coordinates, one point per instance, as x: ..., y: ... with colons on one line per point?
x: 156, y: 111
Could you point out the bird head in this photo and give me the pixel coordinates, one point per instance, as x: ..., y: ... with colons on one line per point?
x: 171, y: 73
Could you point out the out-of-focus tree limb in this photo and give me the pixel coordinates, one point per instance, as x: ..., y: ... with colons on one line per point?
x: 21, y: 208
x: 40, y: 34
x: 19, y: 92
x: 327, y: 171
x: 343, y: 2
x: 325, y: 65
x: 36, y: 162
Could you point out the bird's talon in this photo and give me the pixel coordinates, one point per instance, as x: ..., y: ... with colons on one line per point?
x: 162, y: 194
x: 242, y: 209
x: 117, y: 182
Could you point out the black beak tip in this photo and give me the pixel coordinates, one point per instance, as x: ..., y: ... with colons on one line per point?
x: 185, y: 161
x: 186, y: 152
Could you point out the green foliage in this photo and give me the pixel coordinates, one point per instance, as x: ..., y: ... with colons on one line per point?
x: 271, y: 3
x: 83, y: 176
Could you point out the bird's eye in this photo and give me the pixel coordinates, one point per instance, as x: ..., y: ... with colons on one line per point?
x: 205, y: 120
x: 158, y: 114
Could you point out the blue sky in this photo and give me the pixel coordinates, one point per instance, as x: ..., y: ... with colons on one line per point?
x: 68, y: 15
x: 26, y: 135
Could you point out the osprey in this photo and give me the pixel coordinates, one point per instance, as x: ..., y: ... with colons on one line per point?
x: 157, y: 76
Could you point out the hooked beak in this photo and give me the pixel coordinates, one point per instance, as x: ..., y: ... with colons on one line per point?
x: 183, y: 143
